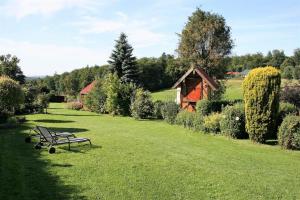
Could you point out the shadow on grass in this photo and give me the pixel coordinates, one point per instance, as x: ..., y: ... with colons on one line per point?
x: 24, y: 175
x: 61, y: 165
x: 70, y: 130
x: 79, y: 148
x: 271, y: 142
x: 74, y: 115
x: 53, y: 121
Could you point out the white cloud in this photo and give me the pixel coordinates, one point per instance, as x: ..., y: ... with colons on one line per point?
x: 46, y: 59
x: 23, y: 8
x: 140, y: 32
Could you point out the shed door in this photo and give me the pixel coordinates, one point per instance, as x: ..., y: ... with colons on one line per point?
x: 194, y: 91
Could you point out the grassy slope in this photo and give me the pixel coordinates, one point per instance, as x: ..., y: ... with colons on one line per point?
x: 142, y: 160
x: 164, y: 95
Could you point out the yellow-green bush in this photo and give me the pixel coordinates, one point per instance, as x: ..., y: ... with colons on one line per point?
x: 212, y: 123
x: 261, y: 96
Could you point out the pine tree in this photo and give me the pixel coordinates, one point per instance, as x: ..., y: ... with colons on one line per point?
x: 122, y: 61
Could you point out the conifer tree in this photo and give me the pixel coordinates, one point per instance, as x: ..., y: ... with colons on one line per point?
x: 122, y: 61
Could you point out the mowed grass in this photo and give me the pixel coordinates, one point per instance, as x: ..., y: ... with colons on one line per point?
x: 133, y: 159
x: 234, y: 89
x: 164, y: 95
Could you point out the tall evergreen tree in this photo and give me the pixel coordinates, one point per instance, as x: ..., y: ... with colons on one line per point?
x: 122, y: 61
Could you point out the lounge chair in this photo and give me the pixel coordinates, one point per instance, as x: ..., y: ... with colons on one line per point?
x: 53, y: 140
x: 35, y: 133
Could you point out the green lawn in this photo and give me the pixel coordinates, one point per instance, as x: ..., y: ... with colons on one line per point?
x: 141, y: 160
x: 234, y: 89
x: 164, y: 95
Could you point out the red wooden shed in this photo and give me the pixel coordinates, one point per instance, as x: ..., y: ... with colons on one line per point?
x: 86, y: 90
x: 193, y: 86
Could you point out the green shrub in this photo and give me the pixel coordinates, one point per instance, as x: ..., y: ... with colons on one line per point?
x: 212, y: 122
x: 204, y: 107
x: 261, y: 96
x: 75, y: 105
x: 198, y: 122
x: 4, y: 115
x: 142, y: 106
x: 191, y: 120
x: 219, y: 105
x: 112, y: 87
x: 11, y: 94
x: 126, y: 96
x: 289, y: 133
x: 43, y: 101
x: 185, y: 118
x: 286, y: 109
x: 169, y: 111
x: 232, y: 123
x: 95, y: 100
x: 157, y: 109
x: 11, y: 122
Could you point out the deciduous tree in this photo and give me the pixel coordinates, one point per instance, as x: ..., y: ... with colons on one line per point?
x: 205, y: 41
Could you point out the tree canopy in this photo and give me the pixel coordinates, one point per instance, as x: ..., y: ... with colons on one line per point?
x: 9, y: 67
x: 205, y: 41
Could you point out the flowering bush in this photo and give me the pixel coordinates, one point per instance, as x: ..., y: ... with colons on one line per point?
x: 233, y: 121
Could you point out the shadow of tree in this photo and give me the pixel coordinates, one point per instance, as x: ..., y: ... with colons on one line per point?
x: 272, y: 142
x: 74, y: 115
x: 24, y: 175
x: 53, y: 121
x: 70, y: 130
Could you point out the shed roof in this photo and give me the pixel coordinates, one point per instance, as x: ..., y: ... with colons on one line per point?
x: 88, y: 88
x: 211, y: 82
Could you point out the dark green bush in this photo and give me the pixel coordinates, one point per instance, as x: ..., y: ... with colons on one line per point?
x: 4, y: 115
x: 157, y: 109
x: 191, y: 120
x: 261, y: 95
x: 289, y: 133
x: 142, y: 106
x: 126, y: 96
x: 169, y: 111
x: 232, y: 123
x: 204, y: 107
x: 218, y: 106
x: 95, y: 100
x: 198, y: 122
x: 286, y: 109
x: 185, y: 118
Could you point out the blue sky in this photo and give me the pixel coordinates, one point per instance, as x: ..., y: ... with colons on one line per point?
x: 60, y: 35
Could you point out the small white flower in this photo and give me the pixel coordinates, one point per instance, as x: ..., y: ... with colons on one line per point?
x: 237, y: 118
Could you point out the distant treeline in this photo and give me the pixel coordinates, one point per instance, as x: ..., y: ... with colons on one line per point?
x: 153, y: 74
x: 162, y: 72
x: 275, y: 58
